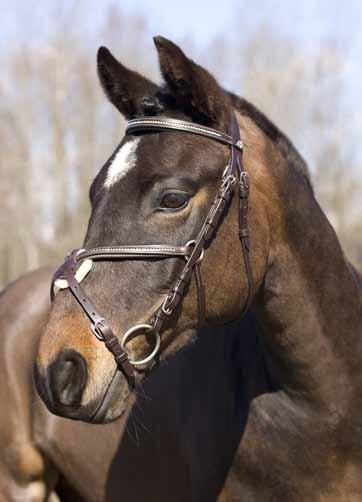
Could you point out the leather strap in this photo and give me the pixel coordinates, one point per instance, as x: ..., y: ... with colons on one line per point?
x: 127, y: 252
x: 165, y: 124
x: 100, y: 327
x: 244, y: 191
x: 201, y: 299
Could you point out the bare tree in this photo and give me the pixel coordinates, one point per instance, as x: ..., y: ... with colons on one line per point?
x: 57, y: 129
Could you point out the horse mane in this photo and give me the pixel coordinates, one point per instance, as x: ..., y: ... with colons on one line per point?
x: 286, y: 147
x: 164, y: 98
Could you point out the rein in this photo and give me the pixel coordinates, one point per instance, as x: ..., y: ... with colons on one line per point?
x: 78, y: 263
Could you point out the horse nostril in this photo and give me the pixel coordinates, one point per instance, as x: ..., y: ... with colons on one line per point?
x: 68, y: 378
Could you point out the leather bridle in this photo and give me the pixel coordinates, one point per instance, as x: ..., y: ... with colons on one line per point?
x: 70, y: 274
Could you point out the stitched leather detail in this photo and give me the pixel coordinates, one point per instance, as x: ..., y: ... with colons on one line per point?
x: 164, y: 124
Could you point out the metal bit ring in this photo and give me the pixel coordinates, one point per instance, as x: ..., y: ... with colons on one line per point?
x: 154, y: 352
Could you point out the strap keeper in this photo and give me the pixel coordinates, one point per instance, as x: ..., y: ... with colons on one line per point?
x: 243, y: 233
x: 244, y: 185
x: 112, y: 343
x: 120, y: 358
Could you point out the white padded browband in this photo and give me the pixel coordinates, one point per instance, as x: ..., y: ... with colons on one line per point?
x: 80, y: 274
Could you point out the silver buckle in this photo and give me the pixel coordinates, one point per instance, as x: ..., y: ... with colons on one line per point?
x: 228, y: 181
x: 94, y: 328
x: 169, y: 298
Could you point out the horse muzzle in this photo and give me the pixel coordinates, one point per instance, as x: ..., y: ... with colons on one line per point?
x: 62, y: 384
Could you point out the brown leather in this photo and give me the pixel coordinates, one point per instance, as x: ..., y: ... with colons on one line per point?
x: 149, y: 251
x: 233, y: 176
x: 166, y: 124
x: 201, y: 294
x: 99, y: 326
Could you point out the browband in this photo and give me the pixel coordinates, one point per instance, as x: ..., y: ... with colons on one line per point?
x: 162, y: 124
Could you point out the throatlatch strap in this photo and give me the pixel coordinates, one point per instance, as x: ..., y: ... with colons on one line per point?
x: 201, y: 300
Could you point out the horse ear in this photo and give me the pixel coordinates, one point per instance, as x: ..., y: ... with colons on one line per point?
x: 124, y: 88
x: 194, y: 87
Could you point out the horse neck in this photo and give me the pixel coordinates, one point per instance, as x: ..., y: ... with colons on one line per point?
x: 309, y: 302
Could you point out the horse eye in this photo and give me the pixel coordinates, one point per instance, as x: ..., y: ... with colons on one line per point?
x: 174, y: 200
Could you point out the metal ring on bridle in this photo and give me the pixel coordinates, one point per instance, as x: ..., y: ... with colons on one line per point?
x: 134, y: 329
x: 229, y: 180
x: 192, y: 243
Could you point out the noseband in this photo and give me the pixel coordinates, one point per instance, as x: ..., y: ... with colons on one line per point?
x: 78, y: 263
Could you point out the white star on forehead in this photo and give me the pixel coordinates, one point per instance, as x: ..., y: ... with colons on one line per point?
x: 123, y: 162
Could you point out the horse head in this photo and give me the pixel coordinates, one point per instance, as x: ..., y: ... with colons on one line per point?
x: 150, y: 204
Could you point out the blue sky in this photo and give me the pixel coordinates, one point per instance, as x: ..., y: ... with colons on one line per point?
x: 308, y: 23
x: 308, y: 19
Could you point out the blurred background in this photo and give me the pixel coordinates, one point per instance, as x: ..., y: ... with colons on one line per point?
x: 299, y: 62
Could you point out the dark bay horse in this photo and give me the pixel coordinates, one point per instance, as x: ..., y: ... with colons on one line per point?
x: 41, y: 454
x: 302, y: 437
x: 180, y: 451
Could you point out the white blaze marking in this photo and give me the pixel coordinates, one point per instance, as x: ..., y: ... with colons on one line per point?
x: 123, y: 162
